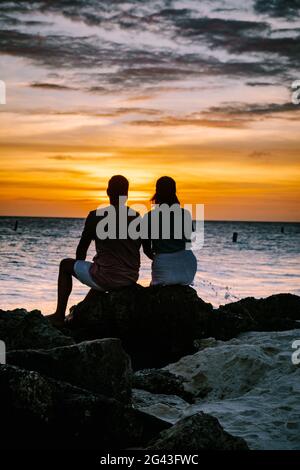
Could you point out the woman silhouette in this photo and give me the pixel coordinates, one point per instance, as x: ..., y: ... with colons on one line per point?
x: 167, y: 231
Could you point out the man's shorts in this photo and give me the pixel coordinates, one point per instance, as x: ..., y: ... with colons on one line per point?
x: 82, y: 271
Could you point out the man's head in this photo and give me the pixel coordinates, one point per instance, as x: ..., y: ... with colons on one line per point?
x: 117, y: 186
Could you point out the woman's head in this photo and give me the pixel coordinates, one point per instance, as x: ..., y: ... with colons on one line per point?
x: 165, y: 191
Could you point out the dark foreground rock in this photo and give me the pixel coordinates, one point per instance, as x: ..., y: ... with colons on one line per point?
x: 42, y: 413
x: 158, y: 325
x: 20, y: 329
x: 39, y: 412
x: 162, y: 382
x: 65, y: 395
x: 195, y: 433
x: 275, y: 313
x: 101, y: 366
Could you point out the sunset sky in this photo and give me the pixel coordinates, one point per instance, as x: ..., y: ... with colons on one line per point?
x: 198, y: 90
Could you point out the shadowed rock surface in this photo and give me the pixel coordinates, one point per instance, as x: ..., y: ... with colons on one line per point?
x: 162, y: 382
x: 275, y: 313
x: 39, y: 412
x: 20, y: 329
x: 195, y: 433
x: 158, y: 325
x: 101, y: 366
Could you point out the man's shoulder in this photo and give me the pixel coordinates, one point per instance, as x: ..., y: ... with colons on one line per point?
x: 99, y: 212
x: 92, y: 214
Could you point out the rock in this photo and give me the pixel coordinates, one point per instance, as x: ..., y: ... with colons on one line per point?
x: 170, y: 408
x: 204, y: 343
x: 227, y: 371
x: 275, y: 313
x: 195, y: 433
x: 20, y: 329
x: 157, y: 325
x: 24, y: 391
x: 39, y: 412
x: 162, y: 382
x: 101, y: 366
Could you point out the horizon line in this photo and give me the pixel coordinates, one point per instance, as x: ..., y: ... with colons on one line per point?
x: 205, y: 220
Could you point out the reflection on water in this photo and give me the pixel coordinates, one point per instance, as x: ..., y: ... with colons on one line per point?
x: 264, y: 261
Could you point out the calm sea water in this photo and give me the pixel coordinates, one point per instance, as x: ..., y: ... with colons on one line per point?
x: 263, y: 261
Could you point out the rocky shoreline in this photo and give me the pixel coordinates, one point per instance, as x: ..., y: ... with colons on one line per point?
x: 80, y: 387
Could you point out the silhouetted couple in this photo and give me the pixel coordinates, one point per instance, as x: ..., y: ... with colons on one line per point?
x: 119, y: 232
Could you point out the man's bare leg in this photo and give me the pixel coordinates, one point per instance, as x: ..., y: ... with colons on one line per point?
x: 64, y: 289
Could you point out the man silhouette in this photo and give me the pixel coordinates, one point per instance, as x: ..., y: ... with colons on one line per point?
x: 117, y: 260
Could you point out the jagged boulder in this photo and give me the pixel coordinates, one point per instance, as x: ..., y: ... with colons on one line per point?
x: 195, y: 433
x: 275, y: 313
x: 101, y: 366
x: 161, y: 381
x: 157, y: 325
x: 20, y: 329
x: 39, y: 412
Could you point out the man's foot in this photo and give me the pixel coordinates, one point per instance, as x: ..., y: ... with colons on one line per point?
x: 56, y: 320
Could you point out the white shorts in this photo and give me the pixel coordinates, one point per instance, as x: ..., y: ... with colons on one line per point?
x: 82, y: 271
x: 174, y: 268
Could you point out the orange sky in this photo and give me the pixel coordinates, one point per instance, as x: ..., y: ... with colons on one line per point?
x: 230, y: 144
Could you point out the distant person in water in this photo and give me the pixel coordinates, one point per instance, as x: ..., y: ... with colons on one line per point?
x: 117, y: 260
x: 169, y: 246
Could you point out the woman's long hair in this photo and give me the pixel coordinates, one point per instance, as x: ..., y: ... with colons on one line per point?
x: 165, y: 191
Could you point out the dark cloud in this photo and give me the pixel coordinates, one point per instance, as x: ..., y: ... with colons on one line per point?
x: 229, y: 115
x: 216, y: 27
x: 52, y: 50
x: 286, y: 47
x: 249, y: 113
x: 110, y: 67
x: 278, y: 8
x: 252, y: 110
x: 50, y: 86
x: 130, y: 68
x: 254, y: 84
x: 109, y: 112
x: 189, y: 120
x: 237, y: 36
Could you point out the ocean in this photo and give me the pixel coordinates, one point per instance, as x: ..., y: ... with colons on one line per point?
x: 264, y: 261
x: 253, y: 384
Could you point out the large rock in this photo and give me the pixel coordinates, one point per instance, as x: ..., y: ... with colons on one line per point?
x: 101, y: 366
x: 39, y: 412
x: 275, y: 313
x: 20, y: 329
x: 157, y: 325
x: 195, y: 433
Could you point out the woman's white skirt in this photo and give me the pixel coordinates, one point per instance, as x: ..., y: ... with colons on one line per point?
x: 174, y: 268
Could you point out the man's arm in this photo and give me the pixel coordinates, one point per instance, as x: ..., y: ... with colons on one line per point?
x: 86, y: 239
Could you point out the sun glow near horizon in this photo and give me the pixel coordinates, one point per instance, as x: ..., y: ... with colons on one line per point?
x: 87, y: 99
